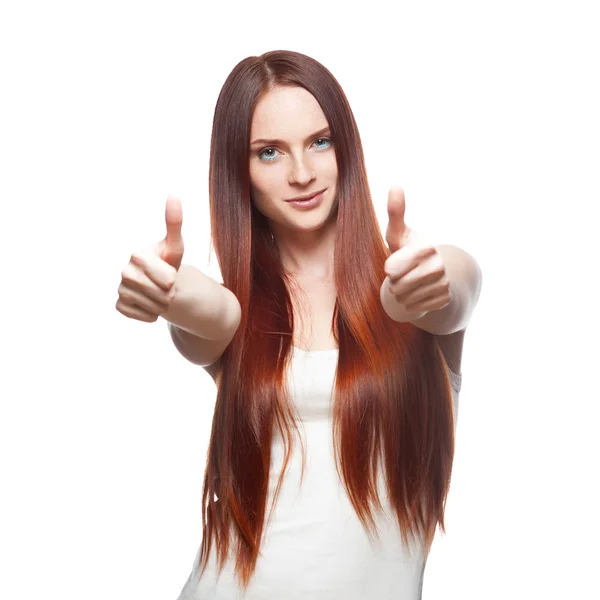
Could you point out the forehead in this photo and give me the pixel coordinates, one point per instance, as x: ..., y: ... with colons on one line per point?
x: 286, y: 111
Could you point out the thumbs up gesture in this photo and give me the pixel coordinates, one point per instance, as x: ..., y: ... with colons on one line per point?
x: 416, y: 274
x: 147, y: 281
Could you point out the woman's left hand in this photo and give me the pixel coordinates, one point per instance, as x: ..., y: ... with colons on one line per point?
x: 416, y: 273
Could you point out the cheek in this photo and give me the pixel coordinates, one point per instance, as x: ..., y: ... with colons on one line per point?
x: 332, y: 169
x: 265, y: 181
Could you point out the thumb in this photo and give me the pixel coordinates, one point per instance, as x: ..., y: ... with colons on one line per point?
x: 396, y: 230
x: 171, y: 248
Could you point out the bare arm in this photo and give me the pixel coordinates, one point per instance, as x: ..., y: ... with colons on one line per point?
x: 203, y: 316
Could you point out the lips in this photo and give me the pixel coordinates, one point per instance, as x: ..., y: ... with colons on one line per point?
x: 307, y: 197
x: 308, y: 204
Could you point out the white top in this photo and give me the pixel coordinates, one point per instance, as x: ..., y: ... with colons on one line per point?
x: 314, y: 546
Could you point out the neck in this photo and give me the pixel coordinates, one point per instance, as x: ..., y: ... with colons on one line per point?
x: 307, y: 254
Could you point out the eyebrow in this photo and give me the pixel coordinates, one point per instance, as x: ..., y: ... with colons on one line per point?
x: 281, y: 142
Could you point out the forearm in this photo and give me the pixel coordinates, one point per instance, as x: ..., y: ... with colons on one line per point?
x: 202, y: 306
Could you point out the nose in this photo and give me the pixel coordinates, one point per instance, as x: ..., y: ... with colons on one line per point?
x: 301, y: 172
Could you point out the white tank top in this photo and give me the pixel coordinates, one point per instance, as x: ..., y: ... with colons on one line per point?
x: 314, y: 546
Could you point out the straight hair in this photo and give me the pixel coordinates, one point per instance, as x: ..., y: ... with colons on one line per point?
x: 392, y: 396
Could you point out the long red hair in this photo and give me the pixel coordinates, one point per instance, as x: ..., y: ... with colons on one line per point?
x: 393, y: 400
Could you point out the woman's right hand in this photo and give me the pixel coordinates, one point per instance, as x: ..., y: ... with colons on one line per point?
x: 147, y: 281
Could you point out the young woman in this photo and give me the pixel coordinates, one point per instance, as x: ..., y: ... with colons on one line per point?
x: 336, y: 357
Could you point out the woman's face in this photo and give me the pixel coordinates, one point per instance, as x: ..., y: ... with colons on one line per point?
x: 300, y: 163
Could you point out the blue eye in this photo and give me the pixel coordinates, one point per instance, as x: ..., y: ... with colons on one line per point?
x: 271, y: 158
x: 324, y: 139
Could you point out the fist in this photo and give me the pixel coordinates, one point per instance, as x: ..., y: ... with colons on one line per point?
x: 416, y: 273
x: 147, y: 285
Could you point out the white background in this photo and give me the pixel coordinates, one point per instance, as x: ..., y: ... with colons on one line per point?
x: 487, y: 114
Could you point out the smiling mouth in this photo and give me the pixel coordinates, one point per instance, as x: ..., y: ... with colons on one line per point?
x: 305, y: 198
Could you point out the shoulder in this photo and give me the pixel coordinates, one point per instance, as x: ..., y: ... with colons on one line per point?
x: 451, y: 346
